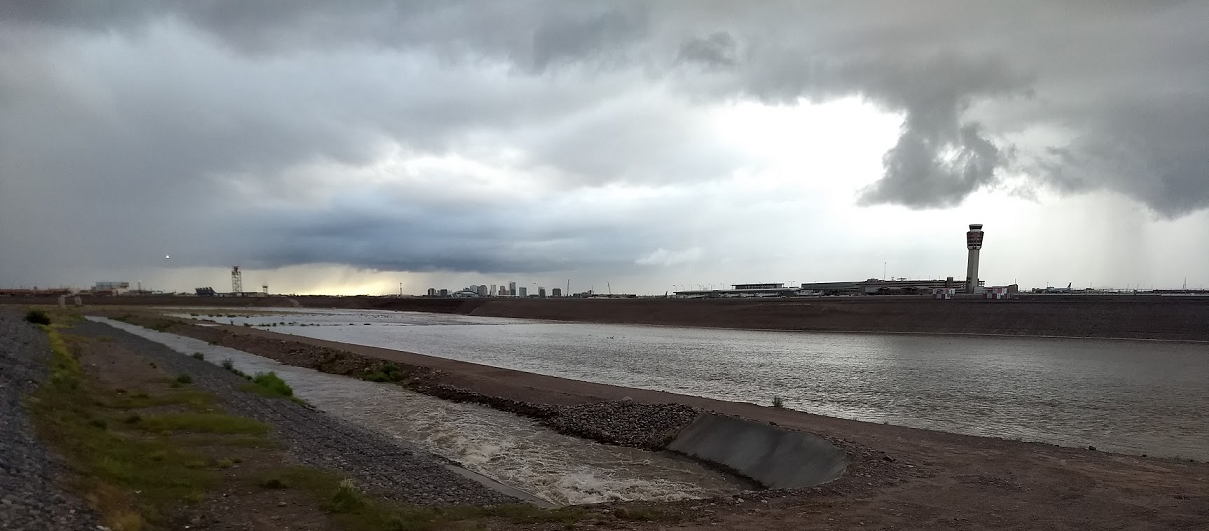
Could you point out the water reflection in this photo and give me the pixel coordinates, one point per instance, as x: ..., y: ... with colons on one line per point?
x: 1127, y: 396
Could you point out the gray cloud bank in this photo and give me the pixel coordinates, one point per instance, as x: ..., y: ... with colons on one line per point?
x: 156, y: 123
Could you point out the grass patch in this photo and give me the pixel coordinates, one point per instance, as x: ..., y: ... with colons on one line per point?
x: 346, y: 499
x: 162, y: 325
x: 778, y: 401
x: 273, y: 483
x: 183, y: 379
x: 268, y: 384
x: 194, y: 400
x: 386, y: 373
x: 38, y: 317
x: 357, y: 511
x: 272, y: 382
x: 129, y: 480
x: 193, y: 422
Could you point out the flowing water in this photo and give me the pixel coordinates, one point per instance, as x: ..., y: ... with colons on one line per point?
x: 513, y: 450
x: 1127, y: 396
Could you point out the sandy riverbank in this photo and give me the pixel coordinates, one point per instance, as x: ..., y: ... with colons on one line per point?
x: 900, y: 477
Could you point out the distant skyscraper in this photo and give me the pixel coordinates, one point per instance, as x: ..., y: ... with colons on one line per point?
x: 443, y: 292
x: 482, y: 289
x: 556, y: 292
x: 512, y: 289
x: 541, y: 292
x: 491, y: 292
x: 524, y: 291
x: 432, y: 292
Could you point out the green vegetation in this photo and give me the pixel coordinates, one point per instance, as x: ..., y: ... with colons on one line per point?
x: 357, y: 511
x: 37, y: 317
x: 130, y: 479
x: 162, y: 325
x: 199, y: 356
x: 346, y: 499
x: 194, y: 422
x: 228, y: 364
x: 778, y: 402
x: 386, y: 373
x: 193, y: 400
x: 270, y: 385
x: 183, y: 379
x: 273, y: 483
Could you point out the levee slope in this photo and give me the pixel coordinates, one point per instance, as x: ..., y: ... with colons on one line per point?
x: 774, y: 457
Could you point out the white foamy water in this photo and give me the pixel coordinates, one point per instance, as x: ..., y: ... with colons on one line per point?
x: 510, y: 449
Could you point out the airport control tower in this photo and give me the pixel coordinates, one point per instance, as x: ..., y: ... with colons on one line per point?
x: 974, y: 244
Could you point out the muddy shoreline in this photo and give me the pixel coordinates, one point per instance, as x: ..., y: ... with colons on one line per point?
x: 901, y: 477
x: 1085, y: 316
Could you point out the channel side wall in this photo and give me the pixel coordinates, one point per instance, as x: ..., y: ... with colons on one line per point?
x: 774, y: 457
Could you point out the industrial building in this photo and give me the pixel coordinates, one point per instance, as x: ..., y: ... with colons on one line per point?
x: 870, y: 286
x: 901, y: 286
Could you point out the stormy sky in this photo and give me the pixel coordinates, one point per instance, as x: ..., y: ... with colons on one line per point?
x: 349, y: 147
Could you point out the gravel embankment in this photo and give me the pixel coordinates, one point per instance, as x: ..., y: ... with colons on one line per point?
x: 624, y: 422
x: 30, y: 497
x: 393, y: 469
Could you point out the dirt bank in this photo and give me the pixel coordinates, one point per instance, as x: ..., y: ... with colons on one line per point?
x: 899, y: 478
x: 1111, y: 317
x: 1129, y: 317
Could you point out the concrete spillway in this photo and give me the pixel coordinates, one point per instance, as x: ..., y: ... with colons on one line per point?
x: 774, y: 457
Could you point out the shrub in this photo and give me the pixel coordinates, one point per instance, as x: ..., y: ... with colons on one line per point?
x: 183, y: 379
x: 134, y: 418
x: 387, y: 373
x: 199, y: 356
x: 274, y: 483
x: 274, y: 383
x: 228, y: 364
x: 778, y: 402
x: 346, y: 499
x: 37, y: 317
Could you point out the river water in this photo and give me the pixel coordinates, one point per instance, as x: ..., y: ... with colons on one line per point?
x: 510, y: 449
x: 1142, y: 397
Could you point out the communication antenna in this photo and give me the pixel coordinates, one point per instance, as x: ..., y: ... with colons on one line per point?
x: 236, y: 280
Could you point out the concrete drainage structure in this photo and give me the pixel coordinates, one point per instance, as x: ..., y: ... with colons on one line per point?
x: 773, y: 457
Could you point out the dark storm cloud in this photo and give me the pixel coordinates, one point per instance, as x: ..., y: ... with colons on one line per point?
x: 1151, y: 151
x: 717, y: 50
x: 189, y: 121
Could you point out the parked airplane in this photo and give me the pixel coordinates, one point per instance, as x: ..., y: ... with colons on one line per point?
x: 1052, y: 289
